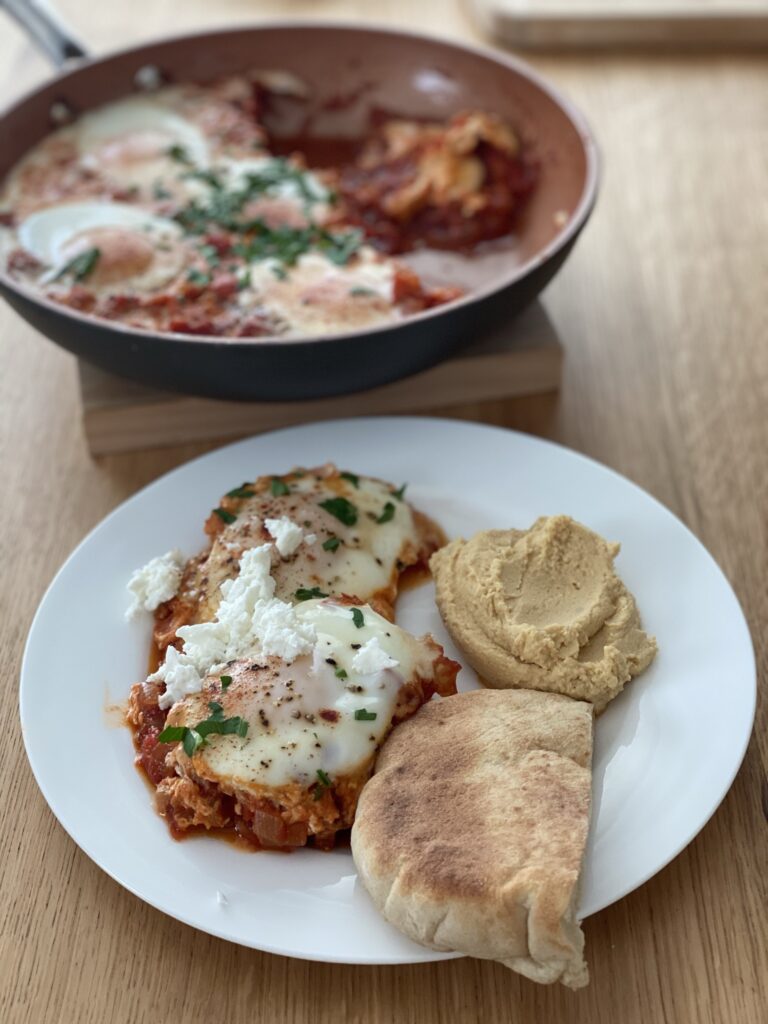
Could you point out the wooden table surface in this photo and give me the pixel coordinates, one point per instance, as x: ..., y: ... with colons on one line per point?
x: 663, y: 308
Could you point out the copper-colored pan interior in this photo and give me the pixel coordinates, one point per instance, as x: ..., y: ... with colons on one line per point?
x: 349, y: 71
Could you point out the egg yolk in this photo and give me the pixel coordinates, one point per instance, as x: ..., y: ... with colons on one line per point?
x: 123, y: 254
x: 133, y: 148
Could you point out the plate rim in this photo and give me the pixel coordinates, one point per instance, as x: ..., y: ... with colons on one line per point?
x: 417, y: 422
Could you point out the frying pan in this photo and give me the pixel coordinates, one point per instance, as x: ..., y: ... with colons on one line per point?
x: 403, y: 72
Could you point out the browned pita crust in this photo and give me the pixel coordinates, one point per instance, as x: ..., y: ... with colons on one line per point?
x: 471, y: 834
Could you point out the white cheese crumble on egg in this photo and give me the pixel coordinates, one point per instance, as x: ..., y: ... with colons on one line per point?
x: 287, y: 535
x: 156, y: 582
x: 250, y: 618
x: 372, y: 658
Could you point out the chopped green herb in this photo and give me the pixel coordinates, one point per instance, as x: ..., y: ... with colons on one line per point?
x: 342, y: 509
x: 81, y: 266
x: 172, y: 734
x: 199, y: 277
x: 353, y: 478
x: 192, y: 741
x: 339, y: 248
x: 399, y: 492
x: 180, y: 155
x: 278, y: 487
x: 331, y: 544
x: 304, y: 594
x: 225, y: 681
x: 211, y: 255
x: 362, y: 715
x: 207, y: 177
x: 246, y: 491
x: 358, y: 291
x: 388, y: 512
x: 225, y: 516
x: 357, y: 618
x: 280, y: 272
x: 217, y: 724
x: 323, y: 781
x: 341, y: 673
x: 160, y: 192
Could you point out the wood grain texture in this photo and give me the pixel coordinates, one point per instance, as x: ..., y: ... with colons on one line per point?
x: 663, y: 308
x: 523, y: 358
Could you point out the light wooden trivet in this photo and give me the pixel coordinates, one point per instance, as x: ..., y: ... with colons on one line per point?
x: 591, y: 23
x: 523, y: 358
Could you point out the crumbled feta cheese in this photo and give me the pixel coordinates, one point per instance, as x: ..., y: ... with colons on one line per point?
x: 288, y: 535
x: 181, y: 676
x: 250, y: 619
x: 310, y: 538
x: 372, y: 658
x: 158, y: 581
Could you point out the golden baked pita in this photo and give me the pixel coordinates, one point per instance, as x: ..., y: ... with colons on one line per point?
x: 470, y: 836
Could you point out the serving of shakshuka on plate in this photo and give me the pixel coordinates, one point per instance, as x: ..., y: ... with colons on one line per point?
x: 176, y: 211
x: 284, y: 706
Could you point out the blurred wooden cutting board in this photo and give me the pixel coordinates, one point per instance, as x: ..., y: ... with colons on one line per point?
x: 593, y: 23
x: 522, y: 357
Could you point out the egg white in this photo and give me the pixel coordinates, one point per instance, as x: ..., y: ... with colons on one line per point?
x: 48, y: 234
x: 104, y: 138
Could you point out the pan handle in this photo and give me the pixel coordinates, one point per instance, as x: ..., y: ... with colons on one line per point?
x: 46, y: 30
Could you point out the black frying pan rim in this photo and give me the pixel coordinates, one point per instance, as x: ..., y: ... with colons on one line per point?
x: 575, y: 223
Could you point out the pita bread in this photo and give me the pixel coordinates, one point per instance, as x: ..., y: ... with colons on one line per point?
x: 470, y: 836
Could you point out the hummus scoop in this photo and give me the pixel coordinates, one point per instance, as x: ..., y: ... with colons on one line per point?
x: 543, y: 609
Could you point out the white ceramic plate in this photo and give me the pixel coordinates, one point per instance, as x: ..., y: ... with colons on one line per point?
x: 666, y: 750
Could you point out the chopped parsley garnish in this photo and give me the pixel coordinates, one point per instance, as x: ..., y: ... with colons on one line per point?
x: 278, y: 487
x: 341, y: 673
x: 160, y: 192
x: 276, y: 174
x: 81, y: 266
x: 323, y: 782
x: 279, y: 271
x: 338, y: 248
x: 200, y: 277
x: 357, y: 618
x: 195, y: 738
x: 307, y: 594
x: 225, y: 516
x: 331, y: 544
x: 286, y: 244
x: 246, y: 491
x: 399, y: 492
x: 353, y: 478
x: 211, y: 255
x: 180, y: 155
x: 226, y: 681
x: 172, y: 734
x: 358, y: 291
x: 192, y: 741
x: 342, y: 509
x: 207, y: 177
x: 261, y: 242
x: 361, y: 715
x: 388, y: 512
